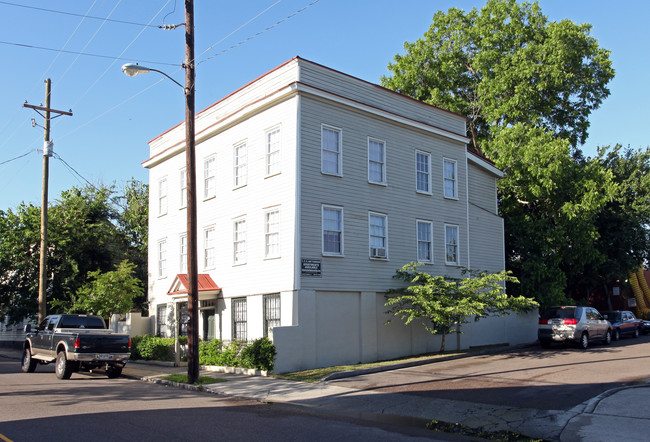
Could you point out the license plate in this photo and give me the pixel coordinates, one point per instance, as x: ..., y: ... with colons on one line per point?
x: 104, y: 356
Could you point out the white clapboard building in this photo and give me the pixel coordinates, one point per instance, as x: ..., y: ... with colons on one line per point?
x: 313, y: 188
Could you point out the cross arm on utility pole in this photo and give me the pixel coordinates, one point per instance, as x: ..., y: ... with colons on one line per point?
x: 47, y: 109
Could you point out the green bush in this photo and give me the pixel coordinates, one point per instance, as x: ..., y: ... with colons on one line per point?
x: 259, y: 354
x: 152, y: 348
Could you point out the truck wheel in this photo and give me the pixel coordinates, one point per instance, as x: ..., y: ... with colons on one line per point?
x: 113, y: 372
x: 584, y: 341
x: 63, y: 366
x: 29, y: 364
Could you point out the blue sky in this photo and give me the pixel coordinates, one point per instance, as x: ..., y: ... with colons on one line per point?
x: 105, y: 140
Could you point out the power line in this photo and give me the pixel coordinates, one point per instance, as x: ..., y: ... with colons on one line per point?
x: 18, y: 157
x: 79, y: 15
x: 86, y: 54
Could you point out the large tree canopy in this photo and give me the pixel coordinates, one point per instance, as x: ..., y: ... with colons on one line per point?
x: 527, y: 86
x: 506, y: 64
x: 88, y: 231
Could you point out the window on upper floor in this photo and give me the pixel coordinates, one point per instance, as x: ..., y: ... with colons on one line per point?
x: 425, y: 241
x: 239, y: 319
x: 210, y: 177
x: 451, y: 244
x: 162, y: 196
x: 378, y: 233
x: 240, y: 159
x: 182, y: 247
x: 332, y: 224
x: 209, y: 254
x: 273, y: 143
x: 239, y: 241
x: 423, y: 172
x: 272, y: 233
x: 376, y: 161
x: 450, y: 181
x: 183, y: 188
x: 331, y: 150
x: 162, y: 258
x: 271, y: 313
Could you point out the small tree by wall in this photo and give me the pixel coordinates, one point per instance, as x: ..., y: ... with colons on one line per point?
x: 442, y: 304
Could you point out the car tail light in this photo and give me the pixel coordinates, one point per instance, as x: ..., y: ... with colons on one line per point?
x: 543, y: 321
x: 129, y: 342
x: 77, y: 343
x: 570, y: 321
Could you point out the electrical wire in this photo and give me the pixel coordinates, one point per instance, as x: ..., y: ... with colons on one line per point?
x: 78, y: 15
x: 18, y: 157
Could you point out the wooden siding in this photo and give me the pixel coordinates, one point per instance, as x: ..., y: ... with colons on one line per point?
x: 377, y: 96
x: 398, y: 199
x: 258, y: 275
x: 482, y: 188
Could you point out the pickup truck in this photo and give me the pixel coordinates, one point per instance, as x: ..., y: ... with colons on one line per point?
x: 75, y: 343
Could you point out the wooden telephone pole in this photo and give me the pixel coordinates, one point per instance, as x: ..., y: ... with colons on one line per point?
x: 47, y: 153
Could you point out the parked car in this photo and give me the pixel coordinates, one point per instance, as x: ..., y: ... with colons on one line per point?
x: 581, y: 325
x: 624, y: 323
x: 645, y: 327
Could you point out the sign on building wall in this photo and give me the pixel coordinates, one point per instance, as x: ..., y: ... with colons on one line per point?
x: 311, y: 267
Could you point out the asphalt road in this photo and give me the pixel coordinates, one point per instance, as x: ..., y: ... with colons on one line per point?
x: 558, y: 378
x: 38, y: 406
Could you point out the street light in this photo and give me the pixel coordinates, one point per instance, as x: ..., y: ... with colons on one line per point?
x: 192, y: 269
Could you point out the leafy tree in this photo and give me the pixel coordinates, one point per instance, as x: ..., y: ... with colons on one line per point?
x: 442, y: 304
x: 506, y: 64
x: 111, y: 292
x: 527, y: 86
x: 86, y: 234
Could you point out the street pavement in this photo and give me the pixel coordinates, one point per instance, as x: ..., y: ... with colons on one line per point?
x: 621, y: 413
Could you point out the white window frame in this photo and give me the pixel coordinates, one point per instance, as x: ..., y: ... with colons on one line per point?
x: 272, y: 233
x: 163, y: 196
x: 453, y: 180
x: 272, y: 313
x: 182, y: 249
x: 373, y: 236
x: 381, y: 162
x: 240, y: 164
x: 239, y: 319
x: 210, y: 177
x: 449, y: 244
x: 239, y: 237
x: 183, y: 188
x: 420, y: 240
x: 427, y: 173
x: 338, y: 153
x: 341, y: 230
x: 273, y: 151
x: 162, y: 258
x: 209, y: 247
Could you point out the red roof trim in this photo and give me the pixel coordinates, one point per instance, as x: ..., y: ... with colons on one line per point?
x: 205, y: 283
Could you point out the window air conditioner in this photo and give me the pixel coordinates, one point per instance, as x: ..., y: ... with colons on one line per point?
x: 378, y: 252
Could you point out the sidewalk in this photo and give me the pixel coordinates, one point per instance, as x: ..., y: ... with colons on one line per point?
x: 617, y: 414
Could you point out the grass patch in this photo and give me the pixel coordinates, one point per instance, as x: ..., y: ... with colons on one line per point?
x: 317, y: 374
x: 202, y: 380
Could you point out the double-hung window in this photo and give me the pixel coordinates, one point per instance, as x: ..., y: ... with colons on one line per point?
x: 240, y: 158
x: 425, y: 241
x: 271, y: 313
x: 162, y: 196
x: 451, y: 244
x: 376, y: 161
x: 162, y: 258
x: 239, y: 241
x: 332, y: 230
x: 210, y: 177
x: 209, y: 255
x: 378, y: 233
x: 449, y: 178
x: 183, y: 188
x: 331, y: 150
x: 183, y: 253
x: 423, y: 172
x: 273, y: 151
x: 272, y: 233
x: 239, y: 319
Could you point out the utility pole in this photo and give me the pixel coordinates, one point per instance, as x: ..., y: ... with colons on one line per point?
x: 192, y: 265
x: 47, y: 153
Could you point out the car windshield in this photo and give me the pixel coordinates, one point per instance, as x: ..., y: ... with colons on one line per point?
x: 559, y: 312
x: 613, y: 316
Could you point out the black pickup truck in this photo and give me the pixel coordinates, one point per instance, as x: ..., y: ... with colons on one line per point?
x: 76, y: 343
